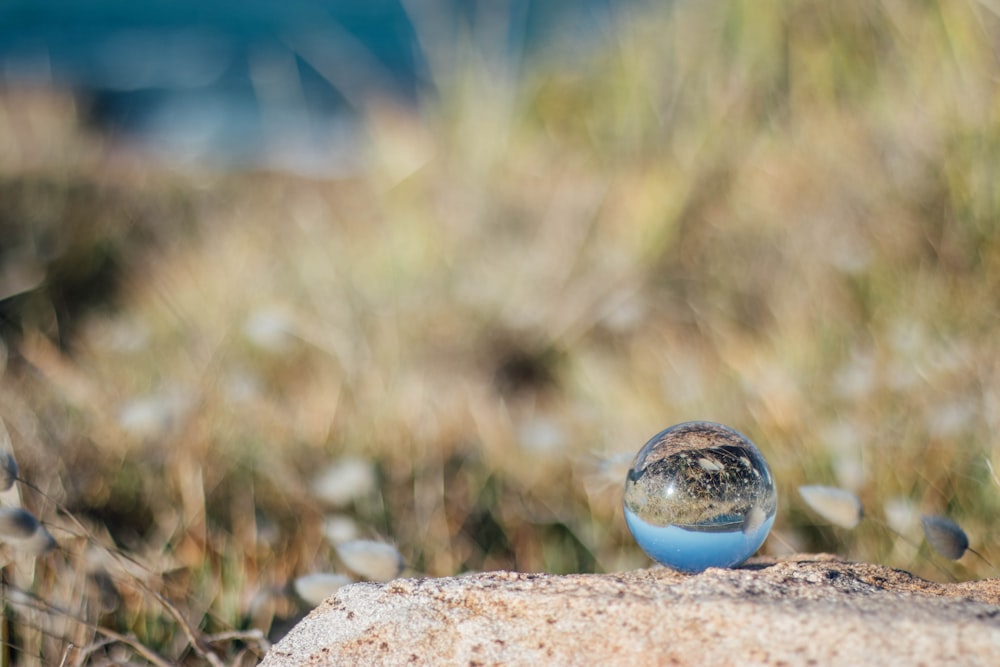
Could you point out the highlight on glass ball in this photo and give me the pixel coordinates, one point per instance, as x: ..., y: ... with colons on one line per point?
x: 699, y: 495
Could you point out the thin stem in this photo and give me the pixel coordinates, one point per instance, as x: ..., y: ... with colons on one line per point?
x: 981, y: 557
x: 32, y: 602
x: 916, y: 546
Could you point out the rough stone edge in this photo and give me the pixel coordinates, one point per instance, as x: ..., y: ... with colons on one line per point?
x: 430, y: 616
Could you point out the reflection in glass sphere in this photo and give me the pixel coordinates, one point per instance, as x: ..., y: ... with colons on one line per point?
x: 699, y: 495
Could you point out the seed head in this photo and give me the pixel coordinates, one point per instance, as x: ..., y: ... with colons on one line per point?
x: 839, y: 507
x: 945, y: 536
x: 316, y: 587
x: 8, y: 466
x: 38, y: 543
x: 373, y: 560
x: 8, y: 470
x: 17, y: 523
x: 339, y: 528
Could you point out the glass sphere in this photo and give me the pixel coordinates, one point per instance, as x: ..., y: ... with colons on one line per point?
x: 699, y: 495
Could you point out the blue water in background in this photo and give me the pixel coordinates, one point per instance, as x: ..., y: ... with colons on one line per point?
x: 272, y: 82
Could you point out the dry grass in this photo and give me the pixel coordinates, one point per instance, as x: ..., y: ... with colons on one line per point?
x: 783, y: 218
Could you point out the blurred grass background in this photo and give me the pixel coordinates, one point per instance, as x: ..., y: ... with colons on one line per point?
x: 779, y: 216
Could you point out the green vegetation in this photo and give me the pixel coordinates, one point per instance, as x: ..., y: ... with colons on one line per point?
x: 779, y: 216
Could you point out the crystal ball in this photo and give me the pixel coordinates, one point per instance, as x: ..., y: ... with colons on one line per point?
x: 699, y: 495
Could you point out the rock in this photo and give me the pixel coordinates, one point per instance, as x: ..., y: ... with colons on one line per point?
x: 800, y: 610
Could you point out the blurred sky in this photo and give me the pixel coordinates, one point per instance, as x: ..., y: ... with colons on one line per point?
x: 266, y: 81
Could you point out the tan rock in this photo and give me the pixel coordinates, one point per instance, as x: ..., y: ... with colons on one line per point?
x: 802, y: 610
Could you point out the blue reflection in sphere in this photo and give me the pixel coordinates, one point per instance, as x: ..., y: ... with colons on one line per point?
x: 699, y: 495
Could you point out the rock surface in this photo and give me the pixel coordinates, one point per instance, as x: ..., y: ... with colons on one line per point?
x: 802, y: 610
